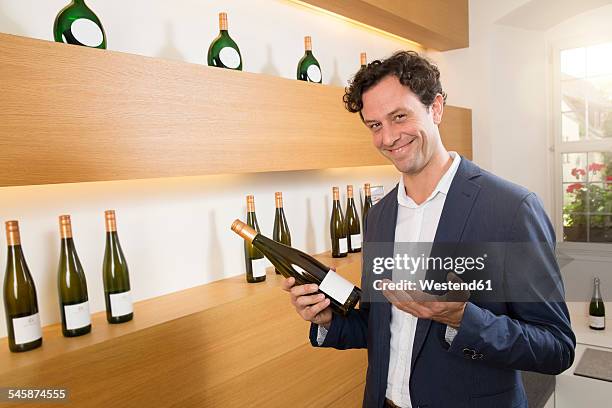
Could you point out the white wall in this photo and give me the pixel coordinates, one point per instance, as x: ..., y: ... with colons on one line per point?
x: 175, y: 232
x: 501, y: 76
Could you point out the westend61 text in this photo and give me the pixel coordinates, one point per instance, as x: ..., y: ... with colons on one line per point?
x: 428, y: 285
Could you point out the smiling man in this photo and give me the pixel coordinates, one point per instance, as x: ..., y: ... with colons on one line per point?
x: 445, y: 351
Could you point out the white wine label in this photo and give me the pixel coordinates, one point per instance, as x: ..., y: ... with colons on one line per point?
x: 599, y: 322
x: 259, y: 267
x: 229, y: 57
x: 86, y: 32
x: 77, y: 316
x: 121, y: 304
x: 356, y: 241
x: 27, y: 329
x: 343, y: 244
x: 314, y: 73
x: 336, y: 287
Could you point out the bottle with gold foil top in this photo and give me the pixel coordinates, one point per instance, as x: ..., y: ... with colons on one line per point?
x: 367, y: 202
x: 20, y: 301
x: 223, y: 51
x: 304, y: 268
x: 72, y: 285
x: 117, y: 290
x: 254, y: 261
x: 353, y: 227
x: 337, y: 228
x: 363, y: 59
x: 308, y: 68
x: 281, y: 229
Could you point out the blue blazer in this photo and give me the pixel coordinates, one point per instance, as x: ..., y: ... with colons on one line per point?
x: 496, y: 339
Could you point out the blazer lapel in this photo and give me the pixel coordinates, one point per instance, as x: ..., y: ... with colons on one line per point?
x: 385, y: 234
x: 457, y: 207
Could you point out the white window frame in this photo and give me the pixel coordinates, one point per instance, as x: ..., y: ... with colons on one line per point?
x: 592, y: 251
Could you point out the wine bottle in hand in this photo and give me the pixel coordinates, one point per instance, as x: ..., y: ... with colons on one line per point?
x: 305, y: 269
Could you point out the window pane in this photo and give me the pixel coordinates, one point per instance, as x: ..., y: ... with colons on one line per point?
x: 597, y: 169
x: 599, y: 59
x: 599, y: 96
x: 573, y: 63
x: 574, y: 167
x: 600, y: 228
x: 587, y: 196
x: 574, y: 228
x: 597, y: 198
x: 574, y: 197
x: 573, y: 108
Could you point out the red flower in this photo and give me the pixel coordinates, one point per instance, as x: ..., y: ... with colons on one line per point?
x: 573, y: 187
x: 609, y: 179
x: 594, y: 167
x: 577, y: 172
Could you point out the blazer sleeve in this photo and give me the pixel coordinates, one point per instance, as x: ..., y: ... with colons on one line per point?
x: 350, y: 331
x: 536, y: 334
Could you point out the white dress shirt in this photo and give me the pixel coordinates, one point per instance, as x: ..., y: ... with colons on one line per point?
x: 415, y: 223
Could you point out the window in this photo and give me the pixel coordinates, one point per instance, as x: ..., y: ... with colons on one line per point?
x: 583, y: 143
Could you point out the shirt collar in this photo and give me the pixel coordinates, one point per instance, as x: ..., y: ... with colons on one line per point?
x: 442, y: 187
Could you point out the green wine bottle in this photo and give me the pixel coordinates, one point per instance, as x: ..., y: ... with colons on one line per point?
x: 353, y: 228
x: 363, y: 58
x: 367, y: 202
x: 597, y: 310
x: 76, y: 24
x: 337, y: 228
x: 281, y: 229
x: 305, y: 269
x: 308, y: 68
x: 72, y: 285
x: 117, y: 293
x: 223, y: 52
x: 254, y: 260
x: 20, y: 302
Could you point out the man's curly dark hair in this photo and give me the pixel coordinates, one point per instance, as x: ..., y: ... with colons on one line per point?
x: 412, y: 70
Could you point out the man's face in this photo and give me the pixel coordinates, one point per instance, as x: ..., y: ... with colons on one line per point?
x: 403, y: 129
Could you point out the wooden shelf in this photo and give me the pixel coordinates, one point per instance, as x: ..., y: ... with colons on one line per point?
x: 75, y: 114
x: 213, y: 345
x: 439, y: 24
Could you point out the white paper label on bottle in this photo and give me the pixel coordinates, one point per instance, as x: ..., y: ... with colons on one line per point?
x: 77, y: 316
x: 86, y: 32
x: 229, y: 57
x: 259, y: 267
x: 356, y: 241
x: 121, y: 304
x: 27, y: 329
x: 599, y: 322
x: 314, y: 73
x: 335, y: 286
x: 343, y: 244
